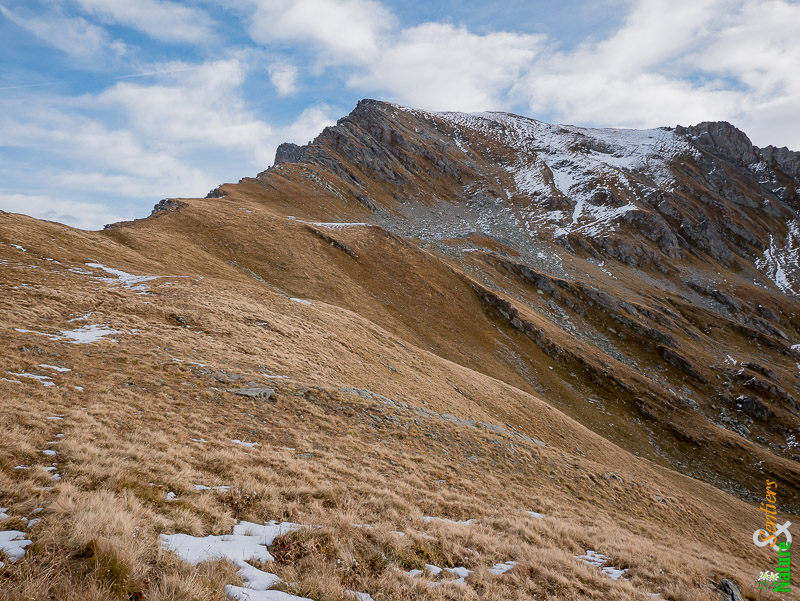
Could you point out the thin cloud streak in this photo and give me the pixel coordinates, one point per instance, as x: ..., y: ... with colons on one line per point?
x: 33, y: 85
x: 152, y: 73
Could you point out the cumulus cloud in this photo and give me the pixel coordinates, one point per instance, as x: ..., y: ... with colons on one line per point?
x: 680, y: 63
x: 186, y: 108
x: 181, y: 127
x: 758, y: 47
x: 308, y: 124
x: 160, y: 19
x: 93, y: 173
x: 55, y: 127
x: 179, y: 135
x: 83, y: 215
x: 630, y: 78
x: 343, y: 31
x: 440, y: 66
x: 283, y: 76
x: 667, y: 63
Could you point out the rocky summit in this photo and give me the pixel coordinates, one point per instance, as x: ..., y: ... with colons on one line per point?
x: 426, y: 356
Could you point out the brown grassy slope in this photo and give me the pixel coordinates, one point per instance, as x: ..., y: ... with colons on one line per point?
x: 638, y: 391
x: 434, y: 303
x: 326, y: 456
x: 413, y: 169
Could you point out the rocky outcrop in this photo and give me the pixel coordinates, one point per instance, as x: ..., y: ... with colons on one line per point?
x: 288, y: 153
x: 786, y: 160
x: 166, y: 205
x: 722, y: 139
x: 729, y: 590
x: 755, y: 408
x: 681, y: 363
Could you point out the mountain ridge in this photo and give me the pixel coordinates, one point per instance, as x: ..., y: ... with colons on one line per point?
x: 708, y: 236
x: 417, y: 175
x: 415, y: 315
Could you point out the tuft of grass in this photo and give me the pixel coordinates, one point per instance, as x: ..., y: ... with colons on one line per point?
x: 112, y: 568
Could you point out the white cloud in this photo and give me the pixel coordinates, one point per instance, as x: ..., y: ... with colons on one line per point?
x: 180, y: 132
x: 179, y: 128
x: 92, y: 173
x: 631, y: 78
x: 83, y: 215
x: 654, y: 31
x: 160, y: 19
x: 72, y: 35
x: 62, y: 131
x: 284, y: 77
x: 759, y: 46
x: 180, y: 136
x: 667, y: 63
x: 680, y: 63
x: 191, y: 107
x: 343, y: 31
x: 442, y: 67
x: 308, y: 124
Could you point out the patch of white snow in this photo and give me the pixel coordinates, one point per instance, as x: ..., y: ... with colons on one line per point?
x: 501, y: 568
x: 44, y: 380
x: 13, y: 543
x: 87, y: 334
x: 128, y: 280
x: 249, y: 445
x: 55, y: 368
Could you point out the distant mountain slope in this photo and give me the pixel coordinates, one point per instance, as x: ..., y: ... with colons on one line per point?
x: 653, y: 271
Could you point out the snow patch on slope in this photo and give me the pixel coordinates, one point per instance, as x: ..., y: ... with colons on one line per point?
x: 128, y: 280
x: 780, y: 260
x: 248, y: 542
x: 45, y: 380
x: 13, y: 543
x: 578, y: 166
x: 87, y: 334
x: 499, y: 569
x: 599, y: 560
x: 83, y: 335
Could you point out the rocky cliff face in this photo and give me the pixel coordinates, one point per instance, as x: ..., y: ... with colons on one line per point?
x: 659, y: 268
x: 646, y: 198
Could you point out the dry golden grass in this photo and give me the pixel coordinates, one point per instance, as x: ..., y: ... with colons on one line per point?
x: 151, y: 420
x: 97, y: 538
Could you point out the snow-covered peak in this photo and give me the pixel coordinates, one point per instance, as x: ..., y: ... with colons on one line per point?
x: 567, y: 178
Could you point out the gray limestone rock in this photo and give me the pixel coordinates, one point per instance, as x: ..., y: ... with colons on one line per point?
x: 722, y: 139
x: 263, y: 393
x: 729, y: 590
x: 288, y: 153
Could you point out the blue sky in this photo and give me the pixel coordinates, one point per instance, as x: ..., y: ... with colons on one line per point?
x: 107, y: 106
